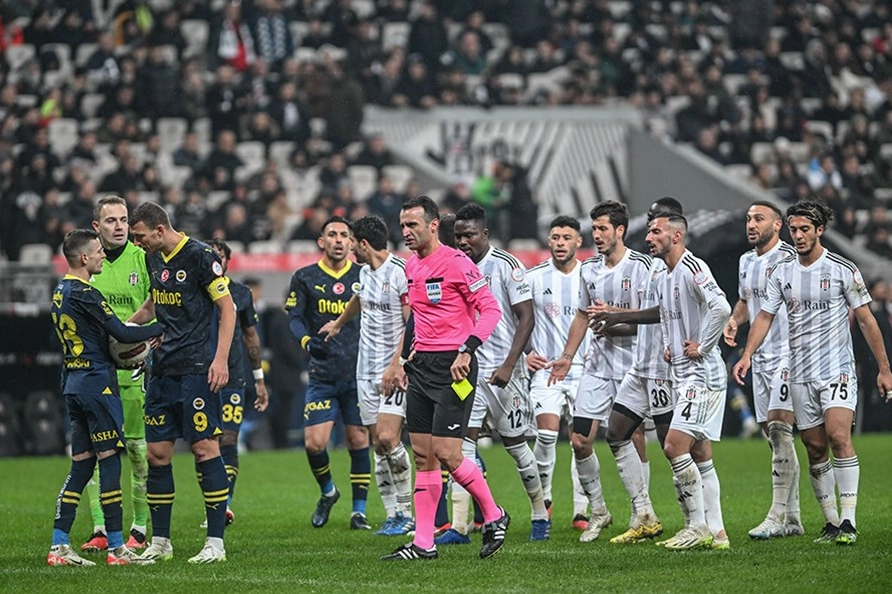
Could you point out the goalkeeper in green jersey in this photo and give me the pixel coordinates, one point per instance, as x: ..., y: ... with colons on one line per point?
x: 125, y: 283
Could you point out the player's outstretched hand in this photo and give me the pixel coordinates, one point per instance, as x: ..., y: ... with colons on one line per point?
x: 742, y: 367
x: 317, y: 347
x: 218, y: 374
x: 884, y: 383
x: 729, y: 333
x: 559, y: 368
x: 535, y: 362
x: 330, y: 330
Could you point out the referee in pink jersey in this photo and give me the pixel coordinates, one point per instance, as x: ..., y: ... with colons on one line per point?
x: 454, y: 313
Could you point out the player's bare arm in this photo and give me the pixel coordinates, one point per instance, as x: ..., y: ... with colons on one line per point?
x: 758, y: 331
x: 535, y: 361
x: 252, y: 349
x: 651, y: 315
x: 333, y: 328
x: 871, y: 332
x: 218, y: 373
x: 560, y: 366
x: 602, y: 329
x: 525, y: 320
x: 394, y: 377
x: 738, y: 318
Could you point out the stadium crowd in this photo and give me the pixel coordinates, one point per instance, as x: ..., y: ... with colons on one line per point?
x: 243, y: 119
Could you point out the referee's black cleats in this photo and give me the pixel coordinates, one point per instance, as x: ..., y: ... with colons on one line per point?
x: 323, y: 509
x: 411, y: 552
x: 494, y: 535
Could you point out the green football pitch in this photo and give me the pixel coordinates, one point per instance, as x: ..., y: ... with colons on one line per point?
x: 272, y: 547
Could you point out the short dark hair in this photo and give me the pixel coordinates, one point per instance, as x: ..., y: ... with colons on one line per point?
x: 151, y: 215
x: 334, y: 219
x: 446, y: 230
x: 426, y: 203
x: 75, y: 243
x: 110, y: 199
x: 616, y: 212
x: 471, y: 212
x: 565, y: 221
x: 664, y: 204
x: 220, y: 245
x: 373, y: 229
x: 252, y: 281
x: 672, y: 217
x: 817, y: 212
x: 770, y: 206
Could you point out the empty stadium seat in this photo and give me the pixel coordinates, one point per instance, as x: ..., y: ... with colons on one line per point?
x: 363, y: 180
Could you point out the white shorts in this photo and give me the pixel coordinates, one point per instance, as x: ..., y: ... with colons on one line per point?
x: 771, y: 390
x: 557, y: 399
x: 372, y: 401
x: 509, y: 409
x: 645, y: 397
x: 594, y: 398
x: 812, y: 399
x: 699, y: 411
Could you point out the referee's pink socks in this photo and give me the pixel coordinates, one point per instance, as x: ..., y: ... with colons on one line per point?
x: 428, y: 484
x: 468, y: 475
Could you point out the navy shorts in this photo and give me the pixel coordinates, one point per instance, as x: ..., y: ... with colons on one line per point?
x: 325, y: 400
x: 233, y: 411
x: 432, y: 406
x: 97, y: 422
x: 182, y: 406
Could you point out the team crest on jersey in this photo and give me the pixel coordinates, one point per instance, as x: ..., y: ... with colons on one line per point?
x: 385, y: 286
x: 434, y: 291
x: 181, y: 276
x: 235, y: 399
x: 338, y: 288
x: 691, y: 393
x: 133, y: 279
x: 785, y: 374
x: 516, y: 402
x: 198, y: 404
x: 356, y: 287
x: 626, y: 283
x: 165, y: 274
x: 675, y: 292
x: 843, y: 378
x: 659, y: 382
x: 825, y: 282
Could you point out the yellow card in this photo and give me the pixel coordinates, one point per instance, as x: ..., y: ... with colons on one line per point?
x: 462, y: 388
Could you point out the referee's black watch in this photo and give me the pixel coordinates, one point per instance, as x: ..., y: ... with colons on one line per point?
x: 470, y: 345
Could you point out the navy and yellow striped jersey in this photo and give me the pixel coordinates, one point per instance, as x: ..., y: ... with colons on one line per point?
x: 319, y: 295
x: 245, y: 317
x: 83, y: 320
x: 185, y: 285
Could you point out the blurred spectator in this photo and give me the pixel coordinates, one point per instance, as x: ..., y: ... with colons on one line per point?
x: 290, y: 114
x: 226, y: 102
x: 166, y: 32
x: 822, y: 171
x: 428, y: 37
x: 272, y: 36
x: 374, y: 153
x: 343, y: 20
x: 222, y: 157
x: 125, y: 177
x: 230, y: 40
x: 157, y: 85
x: 417, y: 88
x: 387, y: 203
x: 345, y: 109
x: 260, y: 127
x: 133, y: 20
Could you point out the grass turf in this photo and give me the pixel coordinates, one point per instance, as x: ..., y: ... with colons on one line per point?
x: 272, y: 546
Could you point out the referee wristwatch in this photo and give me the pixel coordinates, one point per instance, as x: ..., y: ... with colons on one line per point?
x: 470, y: 345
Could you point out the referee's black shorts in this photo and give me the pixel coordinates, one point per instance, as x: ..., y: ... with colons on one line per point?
x: 432, y: 406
